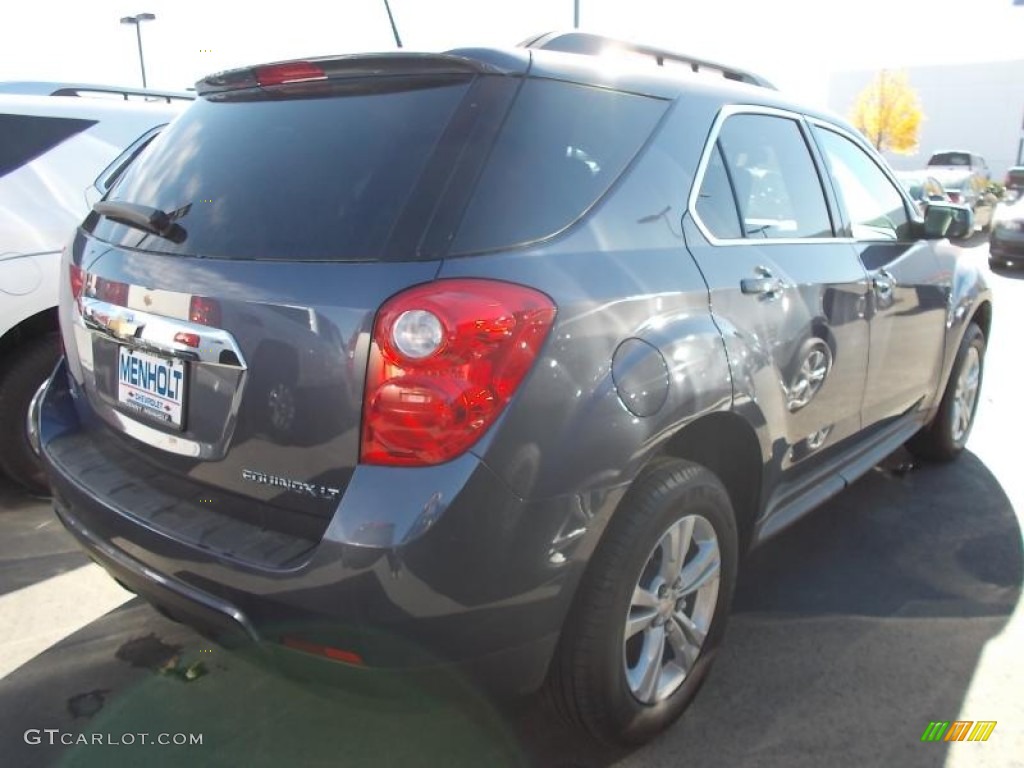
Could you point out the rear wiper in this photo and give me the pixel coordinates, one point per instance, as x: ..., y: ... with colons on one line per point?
x: 143, y: 217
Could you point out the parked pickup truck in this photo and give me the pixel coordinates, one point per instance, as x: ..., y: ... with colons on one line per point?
x: 966, y: 178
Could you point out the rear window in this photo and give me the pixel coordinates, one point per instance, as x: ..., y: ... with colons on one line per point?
x: 23, y: 138
x: 335, y: 178
x: 290, y: 178
x: 951, y: 158
x: 1015, y: 178
x: 561, y: 148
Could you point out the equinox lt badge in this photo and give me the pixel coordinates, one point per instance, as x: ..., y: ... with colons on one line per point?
x: 310, y: 489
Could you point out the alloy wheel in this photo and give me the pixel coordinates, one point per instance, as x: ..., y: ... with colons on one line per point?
x: 965, y: 399
x: 671, y: 609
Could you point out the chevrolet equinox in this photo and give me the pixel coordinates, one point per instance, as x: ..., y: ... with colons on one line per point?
x: 495, y: 360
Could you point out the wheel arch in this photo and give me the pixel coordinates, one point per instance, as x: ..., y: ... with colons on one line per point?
x: 31, y: 327
x: 727, y: 445
x: 983, y: 318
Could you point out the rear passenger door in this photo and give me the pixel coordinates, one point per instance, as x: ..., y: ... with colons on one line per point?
x: 788, y: 295
x: 907, y: 310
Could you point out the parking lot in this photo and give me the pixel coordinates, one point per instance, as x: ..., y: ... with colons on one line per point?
x: 896, y: 604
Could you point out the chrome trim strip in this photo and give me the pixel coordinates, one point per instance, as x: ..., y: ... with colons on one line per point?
x: 716, y: 127
x: 752, y: 109
x: 145, y: 331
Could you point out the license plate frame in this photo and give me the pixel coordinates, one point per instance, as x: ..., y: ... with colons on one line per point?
x: 145, y: 394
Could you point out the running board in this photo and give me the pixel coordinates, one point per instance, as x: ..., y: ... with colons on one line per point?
x: 789, y: 504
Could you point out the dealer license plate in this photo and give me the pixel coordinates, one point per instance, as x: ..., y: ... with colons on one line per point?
x: 151, y: 386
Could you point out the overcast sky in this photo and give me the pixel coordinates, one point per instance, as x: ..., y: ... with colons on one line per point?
x: 795, y: 43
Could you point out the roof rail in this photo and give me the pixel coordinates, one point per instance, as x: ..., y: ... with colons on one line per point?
x: 31, y: 88
x: 596, y: 45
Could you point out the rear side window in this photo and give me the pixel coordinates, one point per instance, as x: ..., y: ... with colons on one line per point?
x: 561, y: 148
x: 776, y: 183
x: 290, y: 178
x: 23, y: 138
x: 114, y: 171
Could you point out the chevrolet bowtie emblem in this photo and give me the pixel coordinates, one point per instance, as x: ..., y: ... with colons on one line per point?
x: 123, y: 326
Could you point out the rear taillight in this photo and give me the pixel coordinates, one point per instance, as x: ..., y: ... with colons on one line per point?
x: 111, y: 291
x: 446, y: 357
x: 204, y: 311
x: 76, y: 276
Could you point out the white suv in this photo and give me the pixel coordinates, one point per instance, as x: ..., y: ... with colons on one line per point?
x: 58, y: 154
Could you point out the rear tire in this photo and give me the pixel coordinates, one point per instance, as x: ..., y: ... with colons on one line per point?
x: 25, y: 372
x: 638, y: 643
x: 945, y: 437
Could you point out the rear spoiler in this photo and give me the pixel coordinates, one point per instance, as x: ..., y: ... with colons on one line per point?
x: 355, y: 66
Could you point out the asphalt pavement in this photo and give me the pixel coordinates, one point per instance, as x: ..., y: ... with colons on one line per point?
x: 895, y: 604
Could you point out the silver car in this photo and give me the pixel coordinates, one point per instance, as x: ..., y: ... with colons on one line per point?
x: 59, y: 151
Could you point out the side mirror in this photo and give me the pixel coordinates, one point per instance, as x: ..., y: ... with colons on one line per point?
x: 948, y: 220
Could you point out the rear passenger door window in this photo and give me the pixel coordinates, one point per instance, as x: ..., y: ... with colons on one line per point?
x: 876, y: 208
x: 776, y: 184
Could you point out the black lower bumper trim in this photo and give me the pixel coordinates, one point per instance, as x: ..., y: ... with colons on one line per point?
x: 207, y: 613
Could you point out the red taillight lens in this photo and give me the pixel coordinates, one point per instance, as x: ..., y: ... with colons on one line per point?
x: 77, y: 277
x: 204, y: 311
x: 446, y: 358
x: 111, y: 291
x: 289, y: 72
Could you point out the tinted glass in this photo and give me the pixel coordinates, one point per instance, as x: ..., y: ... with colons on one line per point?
x: 716, y: 205
x: 113, y: 171
x: 289, y: 178
x: 872, y: 202
x: 777, y: 185
x: 25, y: 137
x: 561, y: 148
x: 950, y: 158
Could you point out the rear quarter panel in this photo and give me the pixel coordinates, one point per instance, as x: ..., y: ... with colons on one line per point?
x: 633, y: 355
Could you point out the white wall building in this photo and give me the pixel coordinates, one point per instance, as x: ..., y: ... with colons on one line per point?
x: 975, y: 107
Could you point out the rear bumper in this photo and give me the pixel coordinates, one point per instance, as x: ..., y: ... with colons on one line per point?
x: 481, y: 583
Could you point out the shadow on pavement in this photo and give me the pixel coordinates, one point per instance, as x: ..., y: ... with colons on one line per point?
x: 851, y: 631
x: 1013, y: 273
x: 33, y: 546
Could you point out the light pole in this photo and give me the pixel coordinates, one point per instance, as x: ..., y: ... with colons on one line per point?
x: 394, y: 27
x: 576, y: 15
x: 137, y: 20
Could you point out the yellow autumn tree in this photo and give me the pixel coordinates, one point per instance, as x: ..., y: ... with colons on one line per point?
x: 888, y: 113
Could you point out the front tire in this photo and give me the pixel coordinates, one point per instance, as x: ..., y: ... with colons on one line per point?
x: 944, y: 439
x: 652, y: 607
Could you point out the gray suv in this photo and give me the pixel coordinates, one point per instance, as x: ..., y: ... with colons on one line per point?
x: 495, y: 360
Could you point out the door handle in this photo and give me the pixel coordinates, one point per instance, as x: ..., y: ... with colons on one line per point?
x: 765, y: 284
